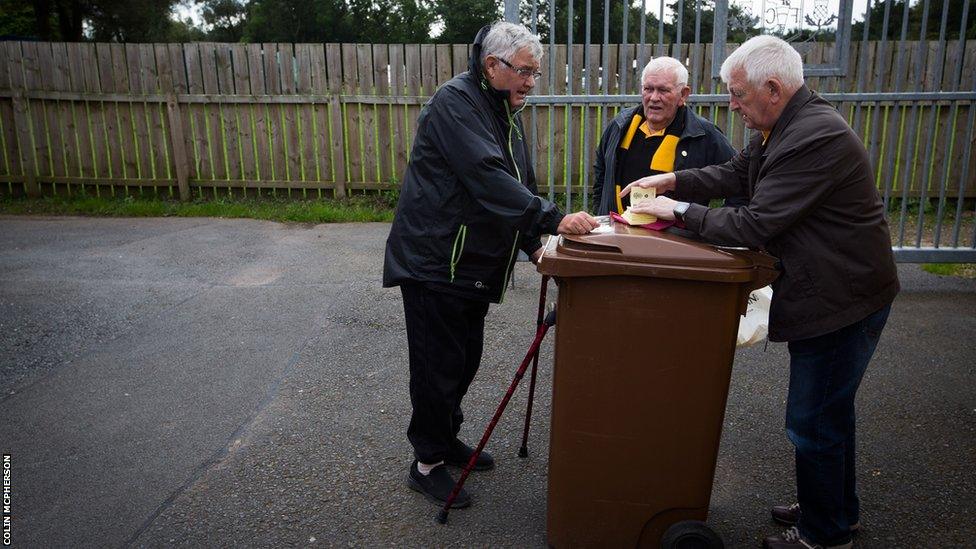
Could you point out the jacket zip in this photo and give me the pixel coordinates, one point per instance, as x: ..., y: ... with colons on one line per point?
x: 511, y: 153
x: 508, y: 267
x: 518, y: 175
x: 458, y: 248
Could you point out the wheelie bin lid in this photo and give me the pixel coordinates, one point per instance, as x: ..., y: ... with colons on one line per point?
x: 621, y: 250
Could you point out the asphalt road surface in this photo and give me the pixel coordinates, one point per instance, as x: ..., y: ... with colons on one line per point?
x: 207, y: 382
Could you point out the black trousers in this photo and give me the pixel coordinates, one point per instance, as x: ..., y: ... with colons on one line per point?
x: 445, y: 335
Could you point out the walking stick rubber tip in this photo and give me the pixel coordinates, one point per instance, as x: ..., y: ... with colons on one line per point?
x: 442, y: 516
x: 523, y: 452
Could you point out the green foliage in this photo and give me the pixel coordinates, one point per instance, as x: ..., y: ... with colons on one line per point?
x: 462, y: 19
x: 962, y: 270
x: 17, y: 19
x: 294, y: 21
x: 386, y: 21
x: 355, y: 209
x: 410, y: 21
x: 392, y: 21
x: 101, y: 20
x: 741, y: 26
x: 912, y: 205
x: 915, y: 13
x: 131, y: 20
x: 224, y: 19
x: 597, y: 16
x: 50, y: 20
x: 185, y: 31
x: 390, y: 197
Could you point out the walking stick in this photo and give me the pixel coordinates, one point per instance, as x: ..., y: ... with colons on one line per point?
x: 533, y: 351
x: 524, y: 450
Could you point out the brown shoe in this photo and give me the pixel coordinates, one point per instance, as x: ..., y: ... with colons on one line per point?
x: 791, y: 539
x: 789, y: 515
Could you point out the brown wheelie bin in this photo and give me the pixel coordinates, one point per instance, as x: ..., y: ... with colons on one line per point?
x: 645, y: 339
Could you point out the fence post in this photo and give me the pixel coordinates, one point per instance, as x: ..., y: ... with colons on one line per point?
x: 23, y: 124
x: 338, y: 149
x: 178, y: 145
x: 512, y: 11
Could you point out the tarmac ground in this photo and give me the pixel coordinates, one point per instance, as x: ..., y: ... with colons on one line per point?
x: 209, y: 382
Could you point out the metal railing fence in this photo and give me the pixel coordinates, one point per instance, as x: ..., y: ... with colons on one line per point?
x: 908, y: 92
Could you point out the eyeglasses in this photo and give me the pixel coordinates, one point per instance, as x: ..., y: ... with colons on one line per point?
x: 523, y: 72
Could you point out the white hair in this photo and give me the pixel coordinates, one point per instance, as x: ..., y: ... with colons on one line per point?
x: 765, y: 57
x: 667, y: 63
x: 505, y: 39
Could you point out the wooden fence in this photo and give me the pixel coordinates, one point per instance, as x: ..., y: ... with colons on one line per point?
x: 339, y: 118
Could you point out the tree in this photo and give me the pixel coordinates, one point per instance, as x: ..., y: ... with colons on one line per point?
x: 897, y: 14
x: 105, y: 20
x: 17, y: 19
x: 224, y: 20
x: 741, y: 26
x: 43, y: 19
x: 131, y: 20
x: 184, y: 30
x: 415, y: 20
x: 596, y: 22
x: 386, y: 21
x: 296, y: 21
x: 462, y: 19
x: 393, y: 21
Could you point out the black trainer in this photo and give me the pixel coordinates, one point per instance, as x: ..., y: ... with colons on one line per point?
x: 787, y: 515
x: 436, y: 486
x: 460, y: 453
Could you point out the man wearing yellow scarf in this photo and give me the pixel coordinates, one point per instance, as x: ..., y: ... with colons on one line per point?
x: 658, y: 136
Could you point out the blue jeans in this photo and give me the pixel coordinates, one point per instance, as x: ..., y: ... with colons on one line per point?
x: 825, y: 372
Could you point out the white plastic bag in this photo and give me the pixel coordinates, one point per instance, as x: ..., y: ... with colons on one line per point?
x: 754, y: 325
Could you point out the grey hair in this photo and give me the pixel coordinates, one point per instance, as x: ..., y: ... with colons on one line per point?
x: 667, y: 63
x: 505, y: 39
x: 765, y: 57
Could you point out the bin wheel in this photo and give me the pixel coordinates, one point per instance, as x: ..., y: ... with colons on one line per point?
x: 691, y: 534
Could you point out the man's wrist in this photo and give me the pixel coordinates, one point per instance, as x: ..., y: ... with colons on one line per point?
x: 680, y: 209
x: 674, y: 180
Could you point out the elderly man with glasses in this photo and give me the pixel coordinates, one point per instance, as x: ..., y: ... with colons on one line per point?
x: 467, y: 205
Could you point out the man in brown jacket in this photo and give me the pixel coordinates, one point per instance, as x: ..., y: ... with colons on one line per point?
x: 813, y: 204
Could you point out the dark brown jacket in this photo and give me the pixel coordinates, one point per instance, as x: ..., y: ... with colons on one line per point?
x: 814, y: 205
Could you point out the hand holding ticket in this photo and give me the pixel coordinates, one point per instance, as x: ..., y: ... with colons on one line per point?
x: 637, y: 196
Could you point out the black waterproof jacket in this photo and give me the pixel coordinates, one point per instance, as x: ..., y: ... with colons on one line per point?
x: 701, y: 144
x: 468, y: 200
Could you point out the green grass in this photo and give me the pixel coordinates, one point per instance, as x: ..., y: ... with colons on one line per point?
x: 350, y: 210
x: 962, y: 270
